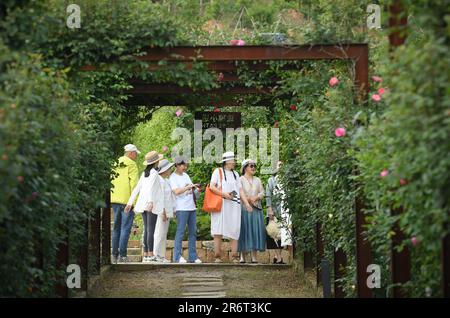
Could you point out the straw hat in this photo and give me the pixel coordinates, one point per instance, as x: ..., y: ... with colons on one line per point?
x: 152, y: 157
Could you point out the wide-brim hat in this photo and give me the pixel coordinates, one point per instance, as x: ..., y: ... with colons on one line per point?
x: 164, y: 165
x: 152, y: 157
x: 245, y: 163
x: 227, y: 156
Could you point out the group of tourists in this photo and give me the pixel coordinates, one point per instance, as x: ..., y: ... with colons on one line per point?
x: 165, y: 191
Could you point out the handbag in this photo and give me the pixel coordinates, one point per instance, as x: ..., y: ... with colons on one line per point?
x: 273, y: 229
x: 212, y: 202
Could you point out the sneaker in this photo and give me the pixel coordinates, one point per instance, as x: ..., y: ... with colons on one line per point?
x: 218, y: 260
x: 145, y: 259
x: 182, y: 260
x: 162, y: 260
x: 115, y: 259
x: 198, y: 261
x: 123, y: 259
x: 152, y: 258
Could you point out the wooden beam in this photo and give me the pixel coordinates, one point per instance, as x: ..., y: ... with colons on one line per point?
x: 161, y: 89
x: 253, y: 52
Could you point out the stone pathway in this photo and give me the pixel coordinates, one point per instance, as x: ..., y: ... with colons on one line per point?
x: 202, y: 281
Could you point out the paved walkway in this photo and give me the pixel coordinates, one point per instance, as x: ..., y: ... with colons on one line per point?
x: 206, y: 280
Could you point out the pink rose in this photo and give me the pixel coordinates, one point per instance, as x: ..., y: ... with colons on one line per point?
x: 377, y: 79
x: 384, y: 173
x: 216, y: 110
x: 340, y: 132
x: 20, y: 178
x: 376, y: 97
x: 414, y: 241
x: 179, y: 112
x: 220, y: 77
x: 381, y: 91
x: 240, y: 43
x: 333, y: 81
x: 165, y: 149
x: 403, y: 182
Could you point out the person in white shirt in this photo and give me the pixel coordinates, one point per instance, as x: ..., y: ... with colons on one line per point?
x: 143, y: 206
x: 227, y: 223
x: 162, y: 200
x: 184, y: 191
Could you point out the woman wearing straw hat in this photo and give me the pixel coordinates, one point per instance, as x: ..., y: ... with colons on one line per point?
x: 163, y: 202
x: 227, y: 222
x: 253, y: 232
x: 143, y: 205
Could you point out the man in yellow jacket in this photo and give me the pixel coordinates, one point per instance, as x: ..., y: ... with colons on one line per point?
x: 125, y: 179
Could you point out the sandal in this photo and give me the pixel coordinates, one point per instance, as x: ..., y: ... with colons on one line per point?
x: 236, y: 260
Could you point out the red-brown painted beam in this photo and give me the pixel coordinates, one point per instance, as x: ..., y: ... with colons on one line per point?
x: 161, y: 89
x: 218, y: 66
x: 253, y: 53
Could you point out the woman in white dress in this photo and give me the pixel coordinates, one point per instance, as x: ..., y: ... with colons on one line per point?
x: 227, y: 223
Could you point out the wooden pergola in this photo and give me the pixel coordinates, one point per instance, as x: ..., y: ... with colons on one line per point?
x: 222, y: 59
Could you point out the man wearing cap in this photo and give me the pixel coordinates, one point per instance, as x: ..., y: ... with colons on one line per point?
x: 125, y: 179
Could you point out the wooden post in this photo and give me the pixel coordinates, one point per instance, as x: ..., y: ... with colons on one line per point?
x: 106, y: 231
x: 363, y: 253
x: 308, y: 260
x: 446, y: 266
x: 83, y: 256
x: 319, y: 252
x: 340, y: 262
x: 397, y: 24
x: 94, y: 239
x: 62, y: 260
x: 400, y: 261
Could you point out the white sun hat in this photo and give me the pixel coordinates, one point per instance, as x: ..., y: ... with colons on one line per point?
x: 164, y: 165
x: 131, y: 147
x: 245, y: 163
x: 227, y: 156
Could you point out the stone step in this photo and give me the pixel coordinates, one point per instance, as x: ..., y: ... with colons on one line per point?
x: 197, y: 289
x: 204, y: 295
x: 189, y: 284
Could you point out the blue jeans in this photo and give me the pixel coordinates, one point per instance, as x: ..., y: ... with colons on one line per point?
x: 183, y: 218
x: 121, y: 230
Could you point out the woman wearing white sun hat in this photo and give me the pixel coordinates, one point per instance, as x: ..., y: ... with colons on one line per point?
x: 163, y: 201
x: 227, y: 223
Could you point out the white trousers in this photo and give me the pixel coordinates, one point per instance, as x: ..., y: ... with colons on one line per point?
x: 160, y: 236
